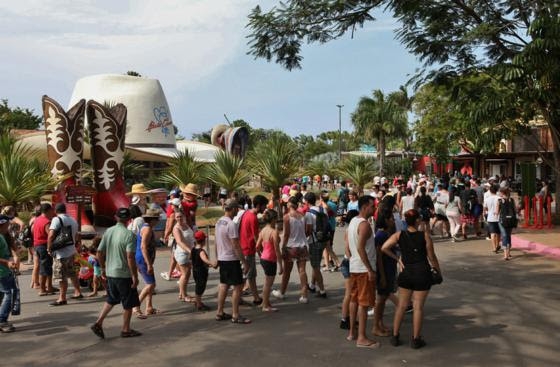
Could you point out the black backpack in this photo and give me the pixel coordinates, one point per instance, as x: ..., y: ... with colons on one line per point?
x: 508, y: 217
x: 343, y: 198
x: 25, y: 237
x: 469, y: 201
x: 322, y: 226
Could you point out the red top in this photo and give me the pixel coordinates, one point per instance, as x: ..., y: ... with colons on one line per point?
x: 248, y: 232
x: 40, y: 234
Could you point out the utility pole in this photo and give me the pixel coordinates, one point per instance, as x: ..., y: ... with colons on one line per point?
x: 339, y: 131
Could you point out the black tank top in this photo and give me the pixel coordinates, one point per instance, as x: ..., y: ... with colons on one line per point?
x: 413, y: 247
x: 196, y: 260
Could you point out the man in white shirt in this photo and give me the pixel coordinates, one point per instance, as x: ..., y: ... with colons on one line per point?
x: 229, y: 257
x: 490, y: 209
x: 63, y: 266
x: 363, y: 257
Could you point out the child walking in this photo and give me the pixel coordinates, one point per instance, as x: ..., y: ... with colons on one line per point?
x: 200, y: 264
x: 94, y: 261
x: 268, y: 246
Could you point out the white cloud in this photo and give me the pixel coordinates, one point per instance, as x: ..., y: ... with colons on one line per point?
x: 178, y: 42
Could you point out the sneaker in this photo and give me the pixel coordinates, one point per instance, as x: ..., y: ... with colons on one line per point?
x: 395, y: 340
x: 311, y: 288
x: 488, y: 239
x: 371, y: 312
x: 417, y: 343
x: 453, y: 239
x: 345, y: 324
x: 6, y: 327
x: 277, y: 294
x: 325, y: 269
x: 165, y: 275
x: 303, y: 300
x: 322, y: 294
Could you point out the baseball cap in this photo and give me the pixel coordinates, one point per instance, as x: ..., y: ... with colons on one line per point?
x: 4, y: 219
x: 199, y: 236
x: 123, y: 213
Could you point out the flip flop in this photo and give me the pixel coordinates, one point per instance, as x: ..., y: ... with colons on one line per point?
x: 98, y: 330
x: 240, y: 320
x: 270, y: 309
x: 223, y: 317
x: 373, y: 345
x: 130, y: 334
x: 80, y: 296
x: 140, y: 315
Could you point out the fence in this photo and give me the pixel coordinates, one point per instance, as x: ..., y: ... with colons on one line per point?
x: 537, y: 212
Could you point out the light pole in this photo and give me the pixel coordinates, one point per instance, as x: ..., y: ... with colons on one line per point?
x: 339, y: 131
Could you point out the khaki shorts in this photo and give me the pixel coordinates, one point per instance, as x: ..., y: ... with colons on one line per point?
x: 64, y: 268
x: 362, y: 290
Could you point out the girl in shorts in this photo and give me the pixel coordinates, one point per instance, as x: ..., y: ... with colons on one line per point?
x: 184, y: 242
x: 268, y: 246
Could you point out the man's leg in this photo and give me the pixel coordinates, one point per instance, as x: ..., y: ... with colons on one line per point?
x: 76, y: 284
x: 288, y: 265
x: 127, y: 314
x: 235, y: 296
x: 222, y: 293
x: 63, y: 284
x: 104, y: 312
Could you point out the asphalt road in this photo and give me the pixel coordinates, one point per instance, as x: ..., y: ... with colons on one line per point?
x: 488, y: 312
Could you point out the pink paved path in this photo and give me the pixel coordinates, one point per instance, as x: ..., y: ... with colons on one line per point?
x: 543, y: 242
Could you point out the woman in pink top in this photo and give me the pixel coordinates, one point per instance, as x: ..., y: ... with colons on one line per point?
x: 268, y: 247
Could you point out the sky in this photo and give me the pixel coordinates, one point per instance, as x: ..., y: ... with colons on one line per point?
x: 197, y: 50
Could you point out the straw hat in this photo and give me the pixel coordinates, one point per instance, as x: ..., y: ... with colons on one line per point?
x: 137, y: 189
x: 189, y: 189
x: 152, y: 213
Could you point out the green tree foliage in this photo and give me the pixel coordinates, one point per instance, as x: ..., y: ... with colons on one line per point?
x: 379, y: 117
x: 358, y: 169
x: 17, y: 118
x: 203, y: 137
x: 183, y: 169
x: 23, y: 176
x: 133, y: 73
x: 228, y: 171
x: 275, y: 160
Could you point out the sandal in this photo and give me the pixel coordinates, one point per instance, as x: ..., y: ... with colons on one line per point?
x: 153, y: 311
x: 130, y: 334
x: 240, y: 320
x: 98, y: 330
x: 223, y: 317
x: 140, y: 315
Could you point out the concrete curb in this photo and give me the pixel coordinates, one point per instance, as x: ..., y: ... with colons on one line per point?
x: 534, y: 247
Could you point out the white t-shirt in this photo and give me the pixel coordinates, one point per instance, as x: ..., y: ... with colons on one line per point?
x: 55, y: 225
x: 356, y: 264
x: 491, y: 202
x: 226, y: 230
x: 407, y: 203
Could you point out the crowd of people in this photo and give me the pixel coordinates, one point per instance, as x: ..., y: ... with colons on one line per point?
x: 389, y: 252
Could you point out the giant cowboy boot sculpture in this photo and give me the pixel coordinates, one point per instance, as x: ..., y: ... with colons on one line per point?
x: 107, y: 127
x: 65, y: 145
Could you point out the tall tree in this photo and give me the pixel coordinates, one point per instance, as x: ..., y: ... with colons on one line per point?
x: 378, y: 117
x: 358, y: 169
x: 183, y: 169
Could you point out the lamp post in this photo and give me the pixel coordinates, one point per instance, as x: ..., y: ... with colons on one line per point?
x: 339, y: 131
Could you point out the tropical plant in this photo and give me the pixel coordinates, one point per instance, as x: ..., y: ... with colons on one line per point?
x: 183, y: 169
x: 17, y: 118
x: 275, y: 160
x: 358, y: 169
x: 23, y: 176
x: 378, y: 117
x: 227, y: 171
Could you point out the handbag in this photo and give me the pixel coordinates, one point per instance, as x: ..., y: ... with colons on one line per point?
x: 63, y: 238
x: 436, y: 276
x: 16, y: 300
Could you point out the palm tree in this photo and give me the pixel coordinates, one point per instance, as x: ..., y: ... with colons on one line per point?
x: 358, y: 169
x: 183, y: 169
x: 275, y: 161
x: 227, y: 171
x: 380, y: 117
x: 23, y: 177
